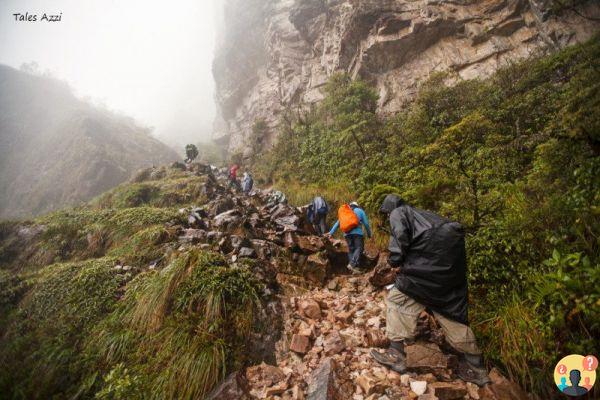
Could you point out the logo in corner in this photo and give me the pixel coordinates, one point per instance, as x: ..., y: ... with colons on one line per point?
x: 575, y: 375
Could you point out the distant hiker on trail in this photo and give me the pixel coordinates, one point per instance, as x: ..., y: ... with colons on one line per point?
x: 247, y: 183
x: 351, y: 219
x: 191, y: 152
x: 317, y: 215
x: 430, y: 251
x: 233, y: 182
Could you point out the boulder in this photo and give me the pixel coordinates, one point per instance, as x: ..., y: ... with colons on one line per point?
x: 196, y: 222
x: 280, y: 210
x: 291, y: 285
x: 345, y: 316
x: 425, y: 356
x: 316, y: 268
x: 199, y: 213
x: 310, y: 244
x: 193, y: 236
x: 382, y: 275
x: 370, y: 385
x: 322, y: 382
x: 289, y: 241
x: 264, y: 375
x: 276, y: 389
x: 265, y: 250
x: 300, y: 344
x: 288, y: 224
x: 310, y: 309
x: 501, y: 389
x: 234, y: 387
x: 213, y: 236
x: 473, y: 390
x: 418, y: 387
x: 237, y: 242
x: 333, y: 344
x: 221, y: 205
x: 228, y: 220
x: 255, y: 221
x: 247, y: 252
x: 448, y: 390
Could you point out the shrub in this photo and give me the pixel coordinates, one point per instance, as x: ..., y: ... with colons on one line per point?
x: 514, y: 158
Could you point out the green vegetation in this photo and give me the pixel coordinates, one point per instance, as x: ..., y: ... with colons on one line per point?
x: 514, y: 158
x: 74, y: 326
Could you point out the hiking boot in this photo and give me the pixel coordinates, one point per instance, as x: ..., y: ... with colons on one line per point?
x: 471, y: 369
x: 393, y: 358
x: 355, y: 270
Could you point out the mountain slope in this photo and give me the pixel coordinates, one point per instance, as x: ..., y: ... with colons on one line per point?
x: 57, y: 150
x: 281, y: 53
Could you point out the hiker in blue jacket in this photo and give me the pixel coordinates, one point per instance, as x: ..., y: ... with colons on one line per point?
x: 354, y: 238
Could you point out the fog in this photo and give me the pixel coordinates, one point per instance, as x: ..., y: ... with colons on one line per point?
x: 148, y: 59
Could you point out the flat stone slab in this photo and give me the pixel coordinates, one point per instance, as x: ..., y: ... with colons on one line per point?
x: 425, y: 356
x: 322, y: 382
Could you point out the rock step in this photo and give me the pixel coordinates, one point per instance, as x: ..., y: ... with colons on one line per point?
x: 329, y: 320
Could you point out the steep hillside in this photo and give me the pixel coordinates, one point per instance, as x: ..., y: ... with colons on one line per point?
x: 514, y: 158
x: 57, y: 150
x: 278, y: 53
x: 161, y: 287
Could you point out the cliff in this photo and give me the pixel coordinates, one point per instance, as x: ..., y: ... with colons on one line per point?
x: 279, y: 53
x: 56, y: 150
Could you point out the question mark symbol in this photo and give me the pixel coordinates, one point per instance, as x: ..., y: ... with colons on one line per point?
x: 590, y: 363
x: 562, y: 369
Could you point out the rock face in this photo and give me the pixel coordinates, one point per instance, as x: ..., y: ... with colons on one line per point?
x: 279, y: 53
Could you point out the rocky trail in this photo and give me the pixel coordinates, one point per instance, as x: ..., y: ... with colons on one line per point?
x: 321, y: 321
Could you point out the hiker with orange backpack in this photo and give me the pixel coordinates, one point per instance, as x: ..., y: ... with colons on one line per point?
x: 351, y: 219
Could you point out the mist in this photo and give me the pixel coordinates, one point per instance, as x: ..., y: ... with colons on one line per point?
x: 147, y: 59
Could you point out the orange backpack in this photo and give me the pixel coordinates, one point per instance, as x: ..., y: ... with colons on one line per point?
x: 348, y: 219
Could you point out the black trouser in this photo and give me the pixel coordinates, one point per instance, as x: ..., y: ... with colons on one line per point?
x: 320, y: 224
x: 356, y: 245
x: 234, y: 184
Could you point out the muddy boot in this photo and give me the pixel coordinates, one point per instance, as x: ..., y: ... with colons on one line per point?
x: 471, y: 369
x: 393, y: 357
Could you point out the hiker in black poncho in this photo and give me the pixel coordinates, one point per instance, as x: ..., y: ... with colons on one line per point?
x: 430, y: 251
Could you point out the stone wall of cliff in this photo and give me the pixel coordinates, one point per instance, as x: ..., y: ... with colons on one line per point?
x: 274, y: 54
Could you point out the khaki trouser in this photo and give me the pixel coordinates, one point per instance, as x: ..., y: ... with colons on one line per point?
x: 401, y: 324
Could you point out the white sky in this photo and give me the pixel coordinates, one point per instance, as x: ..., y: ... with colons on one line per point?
x: 149, y: 59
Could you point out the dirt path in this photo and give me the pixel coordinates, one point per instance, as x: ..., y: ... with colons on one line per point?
x: 330, y: 319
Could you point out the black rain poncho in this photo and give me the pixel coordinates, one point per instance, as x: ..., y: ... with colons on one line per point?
x: 431, y: 253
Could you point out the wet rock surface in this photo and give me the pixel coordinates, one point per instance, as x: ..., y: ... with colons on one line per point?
x: 293, y: 47
x: 320, y: 322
